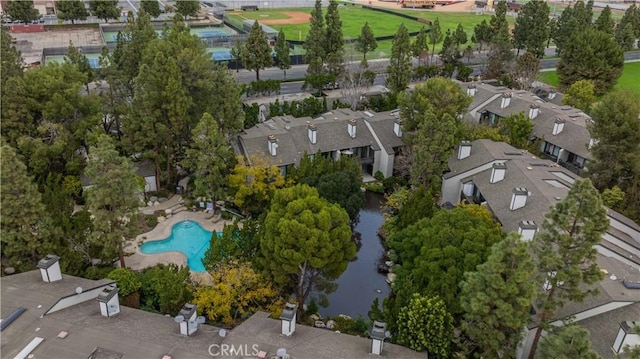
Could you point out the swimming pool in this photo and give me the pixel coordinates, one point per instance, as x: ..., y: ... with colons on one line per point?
x: 187, y: 237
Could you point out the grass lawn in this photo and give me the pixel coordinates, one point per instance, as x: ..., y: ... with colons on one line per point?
x: 628, y: 80
x: 382, y: 24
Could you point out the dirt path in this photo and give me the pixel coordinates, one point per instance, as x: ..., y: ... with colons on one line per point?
x: 295, y: 17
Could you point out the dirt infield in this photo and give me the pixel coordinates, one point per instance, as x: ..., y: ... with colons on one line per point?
x: 295, y: 17
x: 458, y: 7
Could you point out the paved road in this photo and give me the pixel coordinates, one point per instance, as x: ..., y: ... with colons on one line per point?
x: 298, y: 72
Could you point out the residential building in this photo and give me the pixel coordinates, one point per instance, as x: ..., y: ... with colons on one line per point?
x: 561, y: 130
x: 374, y: 138
x: 68, y: 318
x: 519, y: 189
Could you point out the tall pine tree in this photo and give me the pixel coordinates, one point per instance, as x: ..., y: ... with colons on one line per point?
x: 399, y: 68
x: 497, y: 298
x: 257, y: 52
x: 334, y: 42
x: 566, y: 257
x: 366, y: 41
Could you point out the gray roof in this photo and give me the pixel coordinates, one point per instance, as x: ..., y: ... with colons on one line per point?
x: 604, y: 327
x: 309, y: 342
x: 547, y: 183
x: 523, y: 171
x: 266, y: 100
x: 382, y: 125
x: 575, y: 136
x: 137, y: 334
x: 293, y: 140
x: 132, y: 332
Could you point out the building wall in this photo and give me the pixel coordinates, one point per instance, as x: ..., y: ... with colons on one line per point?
x: 451, y: 187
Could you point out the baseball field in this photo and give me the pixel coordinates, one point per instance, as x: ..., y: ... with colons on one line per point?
x: 295, y: 22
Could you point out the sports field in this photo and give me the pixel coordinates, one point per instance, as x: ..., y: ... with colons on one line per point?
x: 628, y: 80
x: 354, y: 17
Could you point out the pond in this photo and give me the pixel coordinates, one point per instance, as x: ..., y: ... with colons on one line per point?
x: 359, y: 284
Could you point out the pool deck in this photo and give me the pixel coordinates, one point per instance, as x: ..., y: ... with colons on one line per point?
x: 138, y: 260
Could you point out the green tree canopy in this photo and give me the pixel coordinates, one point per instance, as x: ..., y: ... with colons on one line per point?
x: 581, y: 95
x: 210, y: 159
x: 10, y: 58
x: 517, y: 128
x: 257, y: 53
x: 22, y: 10
x: 187, y: 7
x: 71, y: 10
x: 399, y: 68
x: 366, y: 41
x: 334, y: 42
x: 104, y: 9
x: 282, y: 53
x: 151, y: 7
x: 425, y: 324
x: 591, y: 55
x: 605, y: 22
x: 496, y: 298
x: 532, y: 29
x: 127, y: 280
x: 166, y: 288
x: 112, y: 198
x: 566, y: 257
x: 23, y: 233
x: 306, y: 242
x: 315, y: 50
x: 343, y: 188
x: 435, y: 36
x: 566, y: 342
x: 436, y: 252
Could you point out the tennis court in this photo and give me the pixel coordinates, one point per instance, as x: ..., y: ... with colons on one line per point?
x: 220, y: 54
x: 94, y: 59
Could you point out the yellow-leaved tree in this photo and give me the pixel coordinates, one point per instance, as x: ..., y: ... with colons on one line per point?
x: 237, y: 292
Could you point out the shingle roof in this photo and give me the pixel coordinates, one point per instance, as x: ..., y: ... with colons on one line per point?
x: 293, y: 139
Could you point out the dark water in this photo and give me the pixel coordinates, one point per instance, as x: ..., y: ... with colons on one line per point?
x: 358, y: 284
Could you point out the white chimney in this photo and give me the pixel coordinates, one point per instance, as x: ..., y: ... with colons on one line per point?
x: 50, y: 268
x: 288, y: 319
x: 351, y: 128
x: 534, y: 110
x: 519, y: 198
x: 552, y: 95
x: 558, y: 126
x: 109, y: 302
x: 506, y: 99
x: 312, y: 131
x: 498, y: 171
x: 471, y: 90
x: 464, y: 150
x: 273, y: 145
x: 592, y: 142
x: 527, y: 230
x: 627, y: 336
x: 397, y: 127
x: 187, y: 319
x: 378, y: 335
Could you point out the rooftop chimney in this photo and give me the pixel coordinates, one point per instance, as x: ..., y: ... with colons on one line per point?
x: 351, y: 128
x: 397, y: 127
x: 534, y: 110
x: 592, y: 142
x: 378, y: 335
x: 273, y: 145
x: 471, y: 90
x: 558, y: 126
x: 187, y: 319
x: 288, y: 319
x: 464, y: 150
x: 50, y: 268
x: 312, y: 130
x: 109, y: 303
x: 627, y: 336
x: 506, y: 99
x: 498, y: 171
x: 552, y: 94
x: 519, y: 198
x: 527, y: 230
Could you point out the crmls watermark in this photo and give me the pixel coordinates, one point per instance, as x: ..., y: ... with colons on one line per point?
x: 226, y: 350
